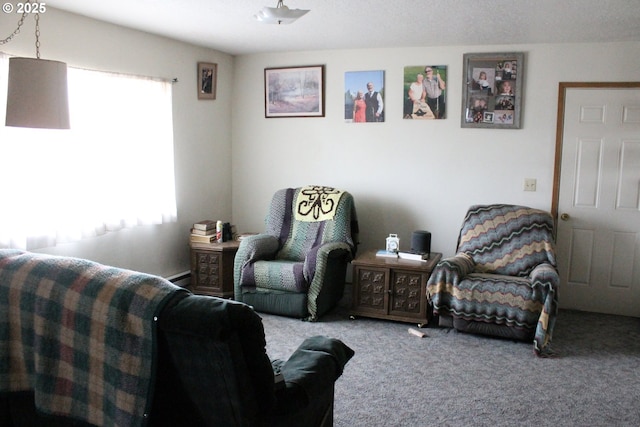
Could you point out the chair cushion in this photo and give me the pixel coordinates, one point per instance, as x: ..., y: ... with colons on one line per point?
x: 493, y: 298
x: 280, y: 275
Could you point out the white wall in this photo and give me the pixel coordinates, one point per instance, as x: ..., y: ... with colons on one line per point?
x: 202, y: 130
x: 407, y: 175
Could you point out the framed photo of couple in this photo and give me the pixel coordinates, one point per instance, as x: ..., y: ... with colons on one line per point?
x: 492, y: 90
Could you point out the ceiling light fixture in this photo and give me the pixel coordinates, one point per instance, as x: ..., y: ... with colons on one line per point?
x: 37, y: 94
x: 280, y: 14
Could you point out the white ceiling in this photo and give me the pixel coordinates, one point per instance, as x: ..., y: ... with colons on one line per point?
x: 229, y: 26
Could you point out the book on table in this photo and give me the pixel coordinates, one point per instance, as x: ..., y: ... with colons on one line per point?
x: 198, y: 238
x: 205, y: 225
x: 386, y: 254
x: 415, y: 256
x: 210, y: 232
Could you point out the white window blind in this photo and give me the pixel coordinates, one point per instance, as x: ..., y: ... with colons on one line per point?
x: 113, y: 169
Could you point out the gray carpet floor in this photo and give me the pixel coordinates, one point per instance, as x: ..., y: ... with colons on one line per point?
x: 455, y: 379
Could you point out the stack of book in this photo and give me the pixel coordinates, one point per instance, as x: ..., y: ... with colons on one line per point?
x: 204, y: 232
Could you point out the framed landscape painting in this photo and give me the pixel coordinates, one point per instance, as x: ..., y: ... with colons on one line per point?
x: 294, y: 91
x: 492, y: 90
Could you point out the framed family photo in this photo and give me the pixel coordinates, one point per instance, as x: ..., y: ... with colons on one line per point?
x: 492, y: 90
x: 294, y: 91
x: 425, y: 92
x: 207, y: 80
x: 364, y: 96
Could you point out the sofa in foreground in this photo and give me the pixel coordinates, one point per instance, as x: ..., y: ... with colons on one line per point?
x: 85, y: 344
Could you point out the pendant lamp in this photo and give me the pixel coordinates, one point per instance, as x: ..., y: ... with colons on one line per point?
x: 280, y: 14
x: 37, y: 94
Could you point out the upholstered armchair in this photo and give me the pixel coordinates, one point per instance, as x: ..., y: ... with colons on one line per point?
x: 503, y: 281
x: 297, y: 267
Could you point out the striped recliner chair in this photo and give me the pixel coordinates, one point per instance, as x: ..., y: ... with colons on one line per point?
x: 503, y: 280
x: 297, y: 267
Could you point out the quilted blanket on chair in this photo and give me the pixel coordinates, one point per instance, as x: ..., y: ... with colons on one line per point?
x: 504, y: 272
x: 80, y: 335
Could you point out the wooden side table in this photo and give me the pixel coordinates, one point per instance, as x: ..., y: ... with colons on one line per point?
x: 390, y: 288
x: 212, y: 268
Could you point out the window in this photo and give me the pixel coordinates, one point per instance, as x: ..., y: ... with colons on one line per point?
x: 113, y: 169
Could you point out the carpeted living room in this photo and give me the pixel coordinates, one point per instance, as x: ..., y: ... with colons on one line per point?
x: 177, y: 116
x: 449, y: 378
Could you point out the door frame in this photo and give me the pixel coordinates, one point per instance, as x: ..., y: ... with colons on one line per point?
x: 562, y: 94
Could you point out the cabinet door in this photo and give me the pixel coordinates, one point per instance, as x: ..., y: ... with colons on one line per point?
x: 408, y: 294
x: 207, y: 273
x: 370, y: 290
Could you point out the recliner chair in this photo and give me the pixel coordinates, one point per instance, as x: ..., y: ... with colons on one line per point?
x: 297, y: 267
x: 503, y: 281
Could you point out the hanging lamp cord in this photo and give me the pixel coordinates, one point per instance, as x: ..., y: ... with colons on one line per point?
x: 17, y: 30
x: 37, y: 17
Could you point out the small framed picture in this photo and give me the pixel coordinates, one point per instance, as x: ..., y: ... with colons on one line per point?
x: 294, y: 91
x: 492, y: 90
x: 207, y: 80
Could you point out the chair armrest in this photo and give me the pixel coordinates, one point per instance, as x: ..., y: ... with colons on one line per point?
x: 545, y: 275
x: 319, y: 255
x: 545, y: 280
x: 316, y: 365
x: 448, y: 273
x: 316, y: 265
x: 252, y: 249
x: 258, y: 247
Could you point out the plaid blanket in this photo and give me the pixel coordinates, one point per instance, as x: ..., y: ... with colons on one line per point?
x: 80, y: 335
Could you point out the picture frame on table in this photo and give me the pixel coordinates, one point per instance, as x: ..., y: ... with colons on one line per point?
x: 492, y: 90
x: 294, y: 91
x: 207, y: 80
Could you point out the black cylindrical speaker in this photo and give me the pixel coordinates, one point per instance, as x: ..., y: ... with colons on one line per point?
x: 421, y: 242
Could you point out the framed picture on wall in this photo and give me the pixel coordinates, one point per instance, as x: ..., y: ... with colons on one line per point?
x: 425, y: 92
x: 492, y: 90
x: 364, y: 96
x: 207, y: 80
x: 294, y: 91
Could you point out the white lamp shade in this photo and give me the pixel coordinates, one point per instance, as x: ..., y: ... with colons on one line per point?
x: 37, y: 95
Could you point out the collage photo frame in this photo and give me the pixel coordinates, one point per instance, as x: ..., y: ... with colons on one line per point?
x: 492, y: 90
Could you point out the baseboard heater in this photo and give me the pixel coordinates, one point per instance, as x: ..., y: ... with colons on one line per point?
x: 181, y: 279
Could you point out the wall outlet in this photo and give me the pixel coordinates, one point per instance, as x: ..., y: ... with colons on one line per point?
x: 529, y: 184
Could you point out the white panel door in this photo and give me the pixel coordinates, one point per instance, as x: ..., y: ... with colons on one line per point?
x: 599, y: 201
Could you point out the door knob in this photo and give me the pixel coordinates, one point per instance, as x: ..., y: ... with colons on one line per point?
x: 564, y: 217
